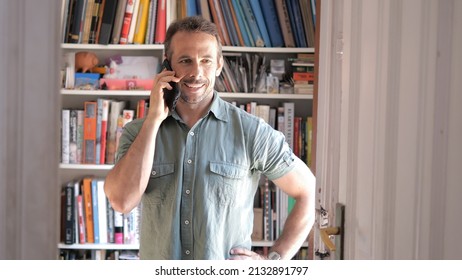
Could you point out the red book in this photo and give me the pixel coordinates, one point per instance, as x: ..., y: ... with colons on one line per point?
x: 89, y: 132
x: 81, y: 219
x: 129, y: 9
x: 104, y: 119
x: 161, y: 25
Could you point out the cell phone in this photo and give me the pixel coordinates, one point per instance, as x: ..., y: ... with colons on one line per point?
x: 170, y: 96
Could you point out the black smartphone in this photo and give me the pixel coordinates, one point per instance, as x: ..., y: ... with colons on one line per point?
x: 170, y: 96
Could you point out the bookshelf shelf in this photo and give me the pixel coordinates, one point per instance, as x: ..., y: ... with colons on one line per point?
x: 86, y: 166
x: 240, y: 95
x: 160, y: 47
x: 106, y: 246
x: 127, y: 47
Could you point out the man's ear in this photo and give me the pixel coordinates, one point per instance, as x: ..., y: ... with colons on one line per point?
x: 219, y: 66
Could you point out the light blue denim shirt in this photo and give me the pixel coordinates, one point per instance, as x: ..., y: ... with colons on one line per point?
x: 199, y: 200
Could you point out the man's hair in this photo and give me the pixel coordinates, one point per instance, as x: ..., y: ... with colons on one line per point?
x: 190, y: 24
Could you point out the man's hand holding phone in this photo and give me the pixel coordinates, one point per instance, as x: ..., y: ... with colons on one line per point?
x: 162, y: 83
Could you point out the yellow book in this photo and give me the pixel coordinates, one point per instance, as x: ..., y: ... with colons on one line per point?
x: 142, y: 22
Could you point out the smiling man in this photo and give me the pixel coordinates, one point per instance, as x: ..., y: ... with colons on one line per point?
x: 196, y: 168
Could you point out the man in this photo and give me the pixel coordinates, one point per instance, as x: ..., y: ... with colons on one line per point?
x: 196, y: 168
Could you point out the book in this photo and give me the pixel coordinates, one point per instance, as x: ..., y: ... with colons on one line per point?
x: 149, y: 39
x: 245, y: 30
x: 89, y: 133
x: 95, y: 209
x: 80, y: 121
x: 75, y: 29
x: 297, y: 23
x: 102, y: 212
x: 142, y: 22
x: 87, y: 21
x: 118, y: 227
x: 289, y: 111
x: 252, y: 22
x: 161, y: 24
x: 118, y: 21
x: 81, y: 219
x: 88, y: 209
x: 231, y: 28
x: 217, y: 15
x: 115, y: 111
x: 107, y: 22
x: 104, y: 122
x: 95, y: 19
x: 65, y: 127
x: 128, y: 16
x: 110, y: 222
x: 307, y: 17
x: 272, y: 23
x: 284, y: 22
x: 73, y: 136
x: 69, y: 225
x: 258, y: 13
x: 204, y: 9
x: 235, y: 23
x: 100, y: 20
x: 133, y: 22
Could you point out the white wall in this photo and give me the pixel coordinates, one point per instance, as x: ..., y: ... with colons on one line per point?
x: 389, y: 126
x: 29, y: 129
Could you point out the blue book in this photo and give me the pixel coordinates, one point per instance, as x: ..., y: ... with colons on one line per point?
x: 253, y: 25
x: 290, y: 11
x: 257, y: 11
x: 232, y: 32
x: 245, y: 31
x: 94, y: 201
x: 298, y: 26
x: 191, y: 8
x: 272, y: 23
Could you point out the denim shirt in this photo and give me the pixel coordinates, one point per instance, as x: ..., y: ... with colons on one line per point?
x: 199, y: 200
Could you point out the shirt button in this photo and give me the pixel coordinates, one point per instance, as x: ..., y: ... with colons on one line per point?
x: 186, y: 222
x: 191, y: 133
x: 188, y: 191
x: 187, y: 252
x: 189, y: 161
x: 153, y: 173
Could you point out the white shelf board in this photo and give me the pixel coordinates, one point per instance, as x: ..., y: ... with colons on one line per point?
x: 105, y: 246
x: 146, y: 93
x: 86, y: 166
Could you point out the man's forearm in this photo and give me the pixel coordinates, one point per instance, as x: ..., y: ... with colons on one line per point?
x: 126, y: 182
x: 296, y: 229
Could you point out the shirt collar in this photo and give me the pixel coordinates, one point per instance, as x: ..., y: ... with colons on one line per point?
x: 218, y: 108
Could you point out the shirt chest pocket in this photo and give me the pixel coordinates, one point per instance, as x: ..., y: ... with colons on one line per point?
x: 161, y: 186
x: 226, y: 181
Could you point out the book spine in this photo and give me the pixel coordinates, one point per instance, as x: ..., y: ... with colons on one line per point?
x: 89, y: 135
x: 65, y: 128
x: 118, y: 21
x: 161, y: 22
x: 142, y: 22
x: 69, y: 211
x: 133, y: 22
x: 88, y: 209
x: 81, y: 217
x: 129, y: 9
x: 118, y: 227
x: 104, y: 121
x: 94, y: 202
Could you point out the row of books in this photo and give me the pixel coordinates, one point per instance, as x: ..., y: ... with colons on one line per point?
x: 252, y: 23
x: 88, y: 217
x: 297, y: 130
x: 114, y: 21
x: 257, y: 23
x: 91, y: 135
x: 67, y: 254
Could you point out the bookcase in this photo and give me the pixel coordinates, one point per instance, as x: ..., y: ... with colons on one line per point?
x: 304, y: 105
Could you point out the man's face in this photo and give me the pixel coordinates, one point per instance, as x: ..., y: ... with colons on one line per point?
x: 195, y: 58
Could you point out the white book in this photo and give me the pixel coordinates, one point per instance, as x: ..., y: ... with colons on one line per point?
x: 102, y: 212
x: 65, y: 131
x: 289, y: 115
x: 131, y: 32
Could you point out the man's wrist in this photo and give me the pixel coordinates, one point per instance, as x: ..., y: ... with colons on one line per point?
x: 274, y: 256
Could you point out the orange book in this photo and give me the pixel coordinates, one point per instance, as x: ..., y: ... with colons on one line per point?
x: 88, y: 209
x: 89, y: 132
